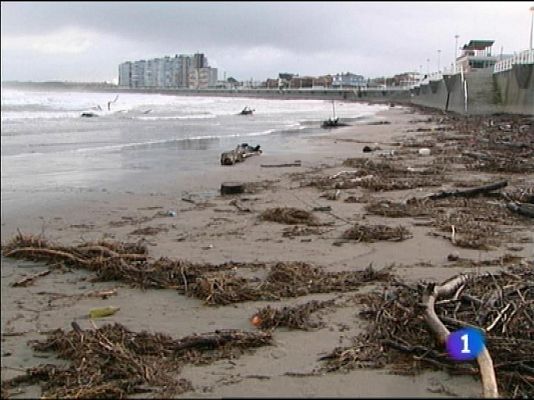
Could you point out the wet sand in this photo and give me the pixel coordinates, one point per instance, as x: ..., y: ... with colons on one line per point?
x: 213, y: 230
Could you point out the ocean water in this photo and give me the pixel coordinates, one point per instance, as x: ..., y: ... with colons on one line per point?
x: 46, y: 146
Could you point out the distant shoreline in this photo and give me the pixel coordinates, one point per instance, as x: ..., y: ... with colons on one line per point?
x: 375, y: 96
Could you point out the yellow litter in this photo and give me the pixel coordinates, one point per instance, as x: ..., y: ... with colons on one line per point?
x: 103, y: 312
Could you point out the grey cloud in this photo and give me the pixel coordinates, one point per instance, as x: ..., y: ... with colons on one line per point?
x: 372, y: 38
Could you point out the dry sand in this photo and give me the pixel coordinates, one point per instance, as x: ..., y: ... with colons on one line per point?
x: 213, y: 230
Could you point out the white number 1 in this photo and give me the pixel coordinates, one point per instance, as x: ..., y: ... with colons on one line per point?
x: 466, y: 344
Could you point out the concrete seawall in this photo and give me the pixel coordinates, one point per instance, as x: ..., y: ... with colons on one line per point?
x: 482, y: 92
x: 516, y: 89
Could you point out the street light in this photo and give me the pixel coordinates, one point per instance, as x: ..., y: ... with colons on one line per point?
x: 455, y: 50
x: 439, y: 64
x: 531, y: 25
x: 428, y: 66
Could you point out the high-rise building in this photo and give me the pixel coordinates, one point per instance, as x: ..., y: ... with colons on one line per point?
x: 169, y: 72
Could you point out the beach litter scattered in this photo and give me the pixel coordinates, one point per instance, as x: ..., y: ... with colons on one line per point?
x: 113, y: 362
x: 102, y: 312
x: 296, y: 317
x: 289, y: 215
x: 397, y: 336
x: 214, y: 284
x: 375, y: 233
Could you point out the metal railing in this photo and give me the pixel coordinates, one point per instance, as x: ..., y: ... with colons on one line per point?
x: 525, y: 57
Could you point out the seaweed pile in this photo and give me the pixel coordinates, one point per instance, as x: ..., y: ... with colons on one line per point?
x: 379, y: 175
x: 469, y: 222
x: 289, y: 215
x: 375, y: 233
x: 501, y: 304
x: 296, y: 317
x: 214, y: 284
x: 112, y: 362
x: 283, y: 280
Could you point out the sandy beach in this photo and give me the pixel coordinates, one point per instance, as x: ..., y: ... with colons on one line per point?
x: 186, y: 218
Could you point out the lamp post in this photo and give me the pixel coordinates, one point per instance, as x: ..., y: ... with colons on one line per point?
x: 428, y: 67
x: 455, y: 50
x: 439, y: 64
x: 531, y: 26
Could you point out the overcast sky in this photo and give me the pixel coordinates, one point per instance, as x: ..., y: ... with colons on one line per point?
x: 84, y: 41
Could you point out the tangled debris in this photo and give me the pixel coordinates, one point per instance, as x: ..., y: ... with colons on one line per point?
x: 296, y: 317
x: 113, y: 362
x: 375, y: 233
x: 301, y: 231
x: 289, y: 215
x: 292, y: 279
x: 469, y: 222
x: 391, y: 209
x: 214, y: 284
x: 501, y: 304
x: 149, y: 230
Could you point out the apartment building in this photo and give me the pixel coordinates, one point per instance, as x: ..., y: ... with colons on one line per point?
x: 168, y: 72
x: 348, y: 80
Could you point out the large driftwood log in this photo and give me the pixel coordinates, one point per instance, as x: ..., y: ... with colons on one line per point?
x: 239, y: 154
x: 470, y: 192
x: 485, y: 363
x: 295, y: 164
x: 522, y: 208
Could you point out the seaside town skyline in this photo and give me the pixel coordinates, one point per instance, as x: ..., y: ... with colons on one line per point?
x: 87, y: 41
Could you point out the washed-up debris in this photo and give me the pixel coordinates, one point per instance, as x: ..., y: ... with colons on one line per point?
x: 379, y: 123
x: 239, y: 205
x: 88, y: 115
x: 30, y: 279
x: 239, y: 154
x: 424, y: 151
x: 102, y: 312
x: 375, y: 233
x: 297, y: 163
x: 232, y: 188
x: 113, y: 362
x: 290, y: 279
x: 296, y: 317
x: 470, y: 222
x: 214, y: 284
x: 470, y: 192
x: 391, y: 209
x: 148, y: 231
x: 357, y: 199
x: 297, y: 230
x: 397, y: 336
x: 379, y: 184
x: 322, y: 208
x: 289, y: 215
x: 520, y: 194
x: 380, y: 175
x: 522, y: 208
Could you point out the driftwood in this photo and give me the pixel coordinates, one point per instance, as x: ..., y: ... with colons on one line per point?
x: 432, y: 292
x: 470, y: 192
x: 30, y: 279
x: 232, y: 188
x: 295, y: 164
x: 241, y: 152
x: 522, y: 208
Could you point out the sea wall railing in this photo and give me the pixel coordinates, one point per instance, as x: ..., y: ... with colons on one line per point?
x: 524, y: 57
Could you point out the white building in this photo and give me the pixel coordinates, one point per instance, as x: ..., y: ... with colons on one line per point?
x: 168, y: 72
x: 477, y: 55
x: 348, y: 80
x: 202, y: 78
